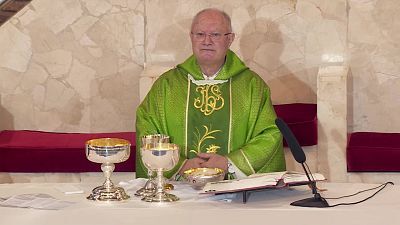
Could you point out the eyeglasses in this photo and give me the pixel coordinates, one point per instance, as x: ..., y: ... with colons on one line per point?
x: 200, y: 36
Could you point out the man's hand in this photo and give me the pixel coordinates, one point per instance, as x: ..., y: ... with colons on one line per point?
x: 191, y: 164
x: 212, y: 160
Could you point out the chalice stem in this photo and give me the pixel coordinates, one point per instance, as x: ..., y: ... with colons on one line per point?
x: 160, y: 181
x: 150, y: 181
x: 107, y: 169
x: 150, y: 174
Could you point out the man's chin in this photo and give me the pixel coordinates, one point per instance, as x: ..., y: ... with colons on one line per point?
x: 207, y: 56
x: 206, y: 60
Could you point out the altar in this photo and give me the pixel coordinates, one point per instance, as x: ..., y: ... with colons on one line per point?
x: 262, y: 207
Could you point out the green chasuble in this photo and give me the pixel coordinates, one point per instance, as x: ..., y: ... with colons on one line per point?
x: 231, y: 115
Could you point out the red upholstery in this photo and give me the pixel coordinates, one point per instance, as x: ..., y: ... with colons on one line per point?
x: 373, y: 152
x: 302, y: 120
x: 37, y: 151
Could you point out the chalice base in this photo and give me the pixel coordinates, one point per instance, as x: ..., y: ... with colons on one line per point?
x: 102, y: 193
x: 161, y: 197
x: 142, y: 192
x: 150, y: 189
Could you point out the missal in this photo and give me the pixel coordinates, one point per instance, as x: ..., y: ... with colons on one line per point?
x: 260, y: 181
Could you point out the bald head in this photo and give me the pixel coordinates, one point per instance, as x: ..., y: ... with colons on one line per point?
x: 214, y: 13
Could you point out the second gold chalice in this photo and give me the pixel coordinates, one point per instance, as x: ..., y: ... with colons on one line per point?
x: 160, y: 157
x: 149, y: 188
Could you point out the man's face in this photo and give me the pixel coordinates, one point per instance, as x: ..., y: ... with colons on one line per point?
x: 211, y: 38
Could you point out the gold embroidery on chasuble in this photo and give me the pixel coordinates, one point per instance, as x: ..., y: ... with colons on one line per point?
x: 201, y: 138
x: 210, y: 99
x: 208, y: 117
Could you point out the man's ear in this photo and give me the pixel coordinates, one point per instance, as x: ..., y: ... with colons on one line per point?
x: 231, y: 38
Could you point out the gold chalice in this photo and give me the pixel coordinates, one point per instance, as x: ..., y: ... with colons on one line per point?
x: 160, y: 157
x: 150, y: 187
x: 108, y: 151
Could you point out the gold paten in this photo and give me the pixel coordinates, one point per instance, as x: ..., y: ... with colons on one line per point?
x: 198, y: 177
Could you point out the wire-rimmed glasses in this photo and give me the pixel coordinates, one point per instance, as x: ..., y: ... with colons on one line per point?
x: 214, y: 36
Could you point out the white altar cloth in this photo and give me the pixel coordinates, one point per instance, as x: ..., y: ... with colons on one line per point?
x: 263, y: 207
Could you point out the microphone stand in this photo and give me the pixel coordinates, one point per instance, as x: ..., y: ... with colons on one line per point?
x: 317, y: 201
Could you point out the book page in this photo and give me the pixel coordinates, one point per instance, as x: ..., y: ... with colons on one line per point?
x: 257, y: 181
x: 293, y: 177
x: 251, y: 182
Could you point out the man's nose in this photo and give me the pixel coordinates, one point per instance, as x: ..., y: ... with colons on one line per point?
x: 207, y: 40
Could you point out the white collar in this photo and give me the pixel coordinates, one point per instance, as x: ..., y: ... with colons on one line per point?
x: 213, y: 76
x: 205, y: 82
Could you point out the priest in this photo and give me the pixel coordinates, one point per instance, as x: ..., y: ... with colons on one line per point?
x: 214, y: 107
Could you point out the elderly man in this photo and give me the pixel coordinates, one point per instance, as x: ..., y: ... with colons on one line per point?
x: 215, y: 108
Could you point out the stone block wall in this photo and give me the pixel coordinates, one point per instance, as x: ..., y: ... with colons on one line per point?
x: 84, y: 65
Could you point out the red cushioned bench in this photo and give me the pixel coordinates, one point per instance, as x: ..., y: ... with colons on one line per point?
x: 373, y: 152
x: 37, y: 151
x: 302, y: 120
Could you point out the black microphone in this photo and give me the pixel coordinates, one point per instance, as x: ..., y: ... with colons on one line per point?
x: 317, y: 201
x: 292, y: 142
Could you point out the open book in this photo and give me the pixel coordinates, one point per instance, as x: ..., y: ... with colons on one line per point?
x: 260, y: 181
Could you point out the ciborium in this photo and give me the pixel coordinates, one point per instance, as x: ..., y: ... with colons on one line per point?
x: 108, y: 151
x: 160, y: 157
x: 150, y: 187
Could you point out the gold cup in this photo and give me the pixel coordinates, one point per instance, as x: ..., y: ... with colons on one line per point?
x: 150, y: 186
x: 108, y: 151
x: 160, y: 157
